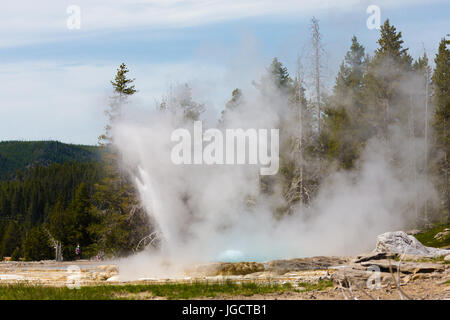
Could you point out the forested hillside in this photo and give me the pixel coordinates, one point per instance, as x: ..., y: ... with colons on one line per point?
x: 16, y: 155
x: 35, y: 196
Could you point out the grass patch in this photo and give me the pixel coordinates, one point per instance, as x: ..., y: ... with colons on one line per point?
x: 115, y: 292
x: 320, y: 285
x: 427, y: 236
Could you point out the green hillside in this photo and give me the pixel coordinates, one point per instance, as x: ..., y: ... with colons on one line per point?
x: 16, y: 155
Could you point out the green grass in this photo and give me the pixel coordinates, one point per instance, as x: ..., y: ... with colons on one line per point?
x: 427, y: 236
x: 321, y: 285
x: 108, y: 292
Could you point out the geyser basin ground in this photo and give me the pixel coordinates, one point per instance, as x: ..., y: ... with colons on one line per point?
x: 149, y: 276
x: 303, y: 278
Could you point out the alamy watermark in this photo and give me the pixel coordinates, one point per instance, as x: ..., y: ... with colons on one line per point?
x: 73, y: 277
x: 374, y: 20
x: 74, y: 19
x: 374, y: 280
x: 214, y: 147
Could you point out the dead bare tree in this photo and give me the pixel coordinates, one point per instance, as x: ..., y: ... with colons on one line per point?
x: 154, y: 240
x: 427, y: 97
x: 296, y: 187
x: 316, y: 38
x: 402, y: 294
x: 341, y: 287
x: 363, y: 291
x: 56, y: 245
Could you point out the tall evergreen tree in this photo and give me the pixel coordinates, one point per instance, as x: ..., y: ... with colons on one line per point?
x: 62, y: 226
x: 37, y: 246
x: 191, y: 109
x: 233, y: 103
x: 386, y: 70
x: 441, y: 99
x: 350, y: 76
x: 121, y: 219
x: 391, y: 45
x: 345, y: 123
x: 276, y: 77
x: 280, y: 76
x: 12, y: 239
x: 123, y: 88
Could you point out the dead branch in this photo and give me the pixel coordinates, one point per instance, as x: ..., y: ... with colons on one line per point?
x: 397, y: 281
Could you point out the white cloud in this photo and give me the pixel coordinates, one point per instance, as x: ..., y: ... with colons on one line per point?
x: 30, y: 21
x: 48, y: 100
x: 42, y: 99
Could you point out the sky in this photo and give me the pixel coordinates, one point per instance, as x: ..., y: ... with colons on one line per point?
x: 55, y: 77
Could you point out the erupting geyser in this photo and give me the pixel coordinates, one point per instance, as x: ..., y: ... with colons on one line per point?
x: 218, y: 212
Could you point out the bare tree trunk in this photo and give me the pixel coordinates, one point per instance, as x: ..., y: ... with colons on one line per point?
x: 296, y: 187
x: 299, y: 158
x: 316, y: 60
x: 446, y: 195
x: 413, y: 164
x: 426, y: 137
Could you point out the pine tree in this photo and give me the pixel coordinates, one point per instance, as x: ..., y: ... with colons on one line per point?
x: 191, y: 109
x: 441, y: 100
x: 12, y: 239
x: 121, y: 220
x: 276, y: 77
x: 62, y: 226
x: 82, y: 211
x: 37, y: 246
x: 345, y: 123
x: 123, y: 88
x: 233, y: 103
x: 386, y: 70
x: 179, y: 102
x: 280, y: 76
x: 350, y: 76
x: 391, y: 45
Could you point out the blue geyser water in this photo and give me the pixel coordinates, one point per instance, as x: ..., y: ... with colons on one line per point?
x: 232, y: 255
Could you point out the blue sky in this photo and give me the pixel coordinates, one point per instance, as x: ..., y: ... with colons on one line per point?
x: 55, y: 81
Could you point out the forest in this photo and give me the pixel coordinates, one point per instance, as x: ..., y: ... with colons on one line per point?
x: 79, y: 195
x: 15, y: 155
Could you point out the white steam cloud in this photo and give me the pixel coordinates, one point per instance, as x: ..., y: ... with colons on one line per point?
x: 217, y: 212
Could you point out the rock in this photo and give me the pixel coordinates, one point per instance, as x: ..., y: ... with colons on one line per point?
x: 443, y: 234
x: 113, y: 279
x: 447, y: 257
x: 411, y: 257
x: 418, y: 276
x: 372, y: 256
x: 359, y: 277
x: 313, y: 263
x: 407, y: 278
x: 11, y: 277
x: 413, y: 232
x: 405, y: 267
x: 226, y: 268
x: 105, y: 267
x: 400, y: 242
x: 112, y: 269
x: 442, y: 282
x: 101, y: 276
